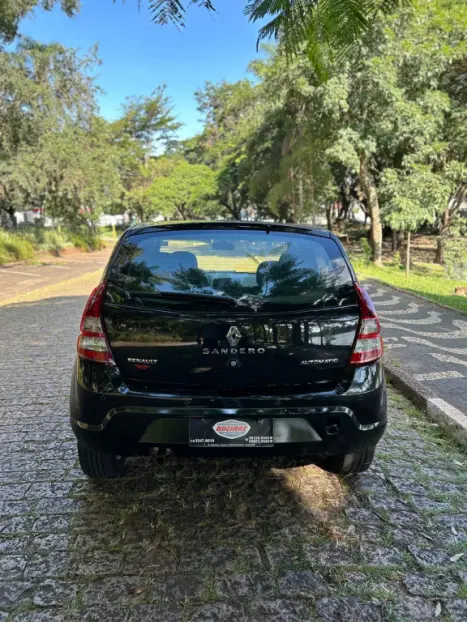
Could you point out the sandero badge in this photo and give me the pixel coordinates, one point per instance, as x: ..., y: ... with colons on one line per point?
x: 228, y: 338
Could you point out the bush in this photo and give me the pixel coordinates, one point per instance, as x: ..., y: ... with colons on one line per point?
x: 54, y: 241
x: 21, y: 245
x: 86, y: 241
x: 455, y: 258
x: 14, y: 247
x: 366, y: 249
x: 397, y: 260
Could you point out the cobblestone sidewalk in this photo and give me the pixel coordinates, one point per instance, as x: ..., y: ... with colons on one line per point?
x: 201, y: 541
x: 428, y: 341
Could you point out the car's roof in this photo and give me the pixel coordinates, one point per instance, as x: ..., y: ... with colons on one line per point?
x: 228, y: 224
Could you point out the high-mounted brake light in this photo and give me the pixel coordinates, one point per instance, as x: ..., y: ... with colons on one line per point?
x: 369, y: 344
x: 92, y: 342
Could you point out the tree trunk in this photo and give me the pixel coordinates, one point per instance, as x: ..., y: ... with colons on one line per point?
x: 407, y: 255
x: 300, y: 197
x: 368, y: 185
x: 329, y: 207
x: 443, y: 234
x: 394, y: 241
x: 400, y: 240
x: 232, y: 208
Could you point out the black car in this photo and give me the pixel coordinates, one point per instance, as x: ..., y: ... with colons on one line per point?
x: 234, y: 338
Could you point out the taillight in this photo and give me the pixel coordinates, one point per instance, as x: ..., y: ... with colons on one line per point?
x: 92, y: 343
x: 369, y: 344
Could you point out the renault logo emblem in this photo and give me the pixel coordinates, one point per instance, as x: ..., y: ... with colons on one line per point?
x: 233, y: 336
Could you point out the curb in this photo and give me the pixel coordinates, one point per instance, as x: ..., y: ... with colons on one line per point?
x: 449, y: 418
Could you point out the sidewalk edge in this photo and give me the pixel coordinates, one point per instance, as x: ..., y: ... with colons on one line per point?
x: 449, y: 418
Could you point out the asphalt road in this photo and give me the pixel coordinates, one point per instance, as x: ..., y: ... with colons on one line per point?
x: 17, y: 279
x: 213, y: 541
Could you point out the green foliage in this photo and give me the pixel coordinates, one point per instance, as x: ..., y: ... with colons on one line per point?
x: 85, y: 240
x: 397, y: 260
x: 45, y: 239
x: 386, y: 131
x: 455, y: 258
x: 176, y: 189
x: 21, y: 245
x: 12, y: 11
x: 55, y: 151
x: 146, y: 118
x: 366, y: 249
x: 14, y: 248
x: 327, y: 28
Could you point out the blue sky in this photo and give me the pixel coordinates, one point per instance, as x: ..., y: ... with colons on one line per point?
x: 138, y: 55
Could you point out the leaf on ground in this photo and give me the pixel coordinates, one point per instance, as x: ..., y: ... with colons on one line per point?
x: 458, y: 463
x: 457, y: 556
x: 135, y: 591
x: 454, y: 530
x: 438, y: 609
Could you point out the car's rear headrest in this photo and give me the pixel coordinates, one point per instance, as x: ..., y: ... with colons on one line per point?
x: 184, y: 259
x: 171, y: 262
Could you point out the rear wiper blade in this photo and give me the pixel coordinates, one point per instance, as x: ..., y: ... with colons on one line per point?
x: 187, y: 296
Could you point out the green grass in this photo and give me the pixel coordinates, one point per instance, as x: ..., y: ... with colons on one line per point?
x: 14, y: 248
x: 21, y: 245
x: 433, y: 287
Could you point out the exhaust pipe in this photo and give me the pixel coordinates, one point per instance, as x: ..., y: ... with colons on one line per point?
x: 332, y: 429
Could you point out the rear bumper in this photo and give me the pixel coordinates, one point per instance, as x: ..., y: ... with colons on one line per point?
x: 116, y: 420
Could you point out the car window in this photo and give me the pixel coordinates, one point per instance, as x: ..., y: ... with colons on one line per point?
x: 256, y: 269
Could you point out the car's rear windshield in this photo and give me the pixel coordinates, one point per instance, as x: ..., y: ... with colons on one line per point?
x: 230, y: 270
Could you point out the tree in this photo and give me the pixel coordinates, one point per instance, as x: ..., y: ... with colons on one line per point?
x: 146, y: 125
x: 147, y: 121
x: 46, y: 95
x: 12, y: 11
x: 413, y: 198
x: 178, y: 190
x: 231, y: 114
x: 328, y: 28
x: 287, y: 153
x: 71, y: 173
x: 400, y: 110
x: 56, y: 153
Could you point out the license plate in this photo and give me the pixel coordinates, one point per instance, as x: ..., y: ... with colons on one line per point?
x: 231, y: 433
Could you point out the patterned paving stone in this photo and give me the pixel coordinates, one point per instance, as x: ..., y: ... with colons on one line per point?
x: 419, y: 337
x: 52, y: 593
x: 279, y: 609
x: 236, y: 584
x: 413, y: 608
x: 12, y: 566
x: 15, y: 593
x: 431, y: 586
x: 457, y: 610
x: 302, y: 583
x: 347, y: 608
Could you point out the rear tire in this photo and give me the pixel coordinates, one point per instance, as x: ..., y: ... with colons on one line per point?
x: 345, y: 464
x: 100, y: 465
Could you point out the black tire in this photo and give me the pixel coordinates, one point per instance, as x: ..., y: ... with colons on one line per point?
x: 98, y: 464
x: 345, y: 464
